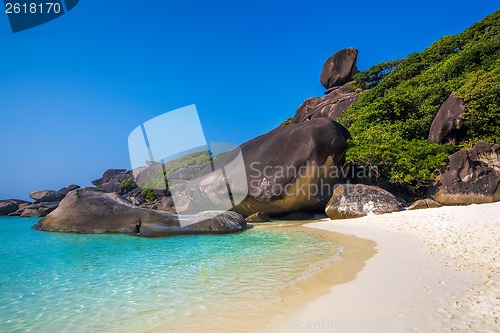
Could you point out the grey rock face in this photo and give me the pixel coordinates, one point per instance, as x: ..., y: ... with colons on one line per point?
x: 447, y: 126
x: 471, y: 176
x: 349, y: 201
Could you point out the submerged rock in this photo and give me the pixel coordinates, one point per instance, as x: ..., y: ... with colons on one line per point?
x: 349, y: 201
x: 90, y: 211
x: 471, y: 177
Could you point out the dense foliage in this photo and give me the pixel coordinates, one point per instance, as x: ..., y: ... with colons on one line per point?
x: 128, y: 185
x: 148, y: 194
x: 390, y: 123
x: 159, y: 174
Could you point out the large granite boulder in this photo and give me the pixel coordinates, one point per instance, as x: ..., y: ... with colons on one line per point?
x: 339, y: 68
x: 90, y: 211
x: 349, y: 201
x: 471, y: 176
x: 329, y: 106
x: 447, y: 126
x: 292, y: 168
x: 47, y: 196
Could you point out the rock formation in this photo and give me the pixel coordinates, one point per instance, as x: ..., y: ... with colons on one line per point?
x: 447, y: 126
x: 46, y: 196
x: 88, y: 210
x: 423, y: 204
x: 471, y: 176
x: 339, y: 68
x: 9, y: 206
x: 292, y: 168
x: 329, y: 106
x: 336, y: 77
x: 349, y: 201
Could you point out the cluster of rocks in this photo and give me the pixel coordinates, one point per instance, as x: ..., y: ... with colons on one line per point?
x: 122, y: 182
x: 45, y: 202
x: 337, y: 78
x: 89, y: 210
x: 311, y: 143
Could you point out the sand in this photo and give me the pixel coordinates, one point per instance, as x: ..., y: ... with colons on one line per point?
x: 435, y: 270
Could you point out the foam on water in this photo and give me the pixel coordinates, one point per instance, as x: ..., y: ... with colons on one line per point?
x: 113, y: 283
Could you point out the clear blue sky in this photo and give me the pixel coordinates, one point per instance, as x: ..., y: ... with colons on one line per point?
x: 73, y: 89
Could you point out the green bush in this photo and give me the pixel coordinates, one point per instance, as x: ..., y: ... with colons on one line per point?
x: 148, y: 194
x: 128, y: 185
x: 390, y: 123
x: 373, y: 76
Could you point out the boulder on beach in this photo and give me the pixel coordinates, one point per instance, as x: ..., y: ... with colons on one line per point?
x: 357, y: 200
x: 292, y: 168
x: 447, y: 126
x: 471, y: 177
x: 90, y: 211
x: 339, y: 68
x: 424, y: 204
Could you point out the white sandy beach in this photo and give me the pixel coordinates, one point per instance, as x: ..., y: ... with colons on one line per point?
x: 436, y: 270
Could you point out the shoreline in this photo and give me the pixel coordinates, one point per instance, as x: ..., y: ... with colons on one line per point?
x: 298, y: 292
x: 436, y: 270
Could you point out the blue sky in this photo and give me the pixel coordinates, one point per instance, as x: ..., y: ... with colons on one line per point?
x: 72, y: 90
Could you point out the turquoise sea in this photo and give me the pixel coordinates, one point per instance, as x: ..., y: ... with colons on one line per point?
x: 52, y: 282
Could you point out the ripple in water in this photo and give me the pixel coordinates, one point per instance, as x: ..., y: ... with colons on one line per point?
x: 113, y: 283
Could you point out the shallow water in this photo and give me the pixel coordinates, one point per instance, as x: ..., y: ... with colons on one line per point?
x: 52, y: 282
